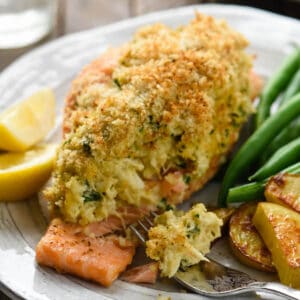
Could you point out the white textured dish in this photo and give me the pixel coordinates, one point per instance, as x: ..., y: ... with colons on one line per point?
x: 54, y: 65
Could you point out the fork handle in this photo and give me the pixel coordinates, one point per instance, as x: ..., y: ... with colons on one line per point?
x: 276, y: 289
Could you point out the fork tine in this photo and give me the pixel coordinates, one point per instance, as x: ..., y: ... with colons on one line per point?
x: 143, y: 225
x: 137, y: 233
x: 148, y: 221
x: 153, y: 214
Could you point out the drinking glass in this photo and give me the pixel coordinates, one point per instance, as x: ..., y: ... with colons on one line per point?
x: 24, y: 22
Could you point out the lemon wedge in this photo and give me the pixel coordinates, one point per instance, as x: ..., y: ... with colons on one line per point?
x: 22, y: 174
x: 28, y: 122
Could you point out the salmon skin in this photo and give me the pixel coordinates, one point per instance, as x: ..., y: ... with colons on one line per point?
x: 67, y: 249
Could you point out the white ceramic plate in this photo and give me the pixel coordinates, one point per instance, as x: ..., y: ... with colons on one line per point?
x: 54, y: 65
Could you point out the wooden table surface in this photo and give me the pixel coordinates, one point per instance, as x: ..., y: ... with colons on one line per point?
x: 76, y: 15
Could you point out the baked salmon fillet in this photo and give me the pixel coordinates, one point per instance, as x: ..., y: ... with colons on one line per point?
x: 145, y: 126
x: 68, y: 249
x: 150, y: 122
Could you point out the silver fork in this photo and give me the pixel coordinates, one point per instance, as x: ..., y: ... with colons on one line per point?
x: 212, y: 279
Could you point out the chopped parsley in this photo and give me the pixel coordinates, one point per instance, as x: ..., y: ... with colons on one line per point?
x: 66, y: 142
x: 184, y: 264
x: 86, y: 145
x: 176, y: 137
x: 226, y: 132
x: 191, y: 231
x: 242, y: 111
x: 194, y: 230
x: 186, y: 178
x: 181, y: 163
x: 117, y: 83
x: 169, y: 207
x: 154, y: 124
x: 164, y: 205
x: 91, y: 195
x: 235, y: 119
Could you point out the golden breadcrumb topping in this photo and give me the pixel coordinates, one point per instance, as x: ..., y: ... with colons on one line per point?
x: 144, y: 122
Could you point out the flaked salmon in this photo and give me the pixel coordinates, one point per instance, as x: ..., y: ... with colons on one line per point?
x: 142, y: 274
x: 67, y: 249
x: 126, y: 216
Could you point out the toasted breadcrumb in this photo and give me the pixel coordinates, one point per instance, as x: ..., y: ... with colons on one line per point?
x: 151, y: 121
x: 179, y: 241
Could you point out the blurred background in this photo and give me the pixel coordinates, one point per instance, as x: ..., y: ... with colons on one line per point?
x: 26, y: 24
x: 50, y: 19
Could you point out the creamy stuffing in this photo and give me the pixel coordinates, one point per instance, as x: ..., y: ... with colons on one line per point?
x: 179, y: 240
x: 154, y: 127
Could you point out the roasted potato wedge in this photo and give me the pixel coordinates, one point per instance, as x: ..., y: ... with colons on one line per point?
x: 245, y: 242
x: 280, y: 230
x: 284, y: 189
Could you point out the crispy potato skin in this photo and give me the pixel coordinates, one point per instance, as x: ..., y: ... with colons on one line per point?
x: 284, y: 189
x: 245, y: 242
x: 280, y: 230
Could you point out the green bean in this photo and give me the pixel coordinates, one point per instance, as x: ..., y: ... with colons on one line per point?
x: 286, y: 135
x: 256, y: 143
x: 276, y: 84
x: 246, y: 192
x: 283, y: 157
x: 255, y: 190
x: 293, y: 130
x: 292, y: 89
